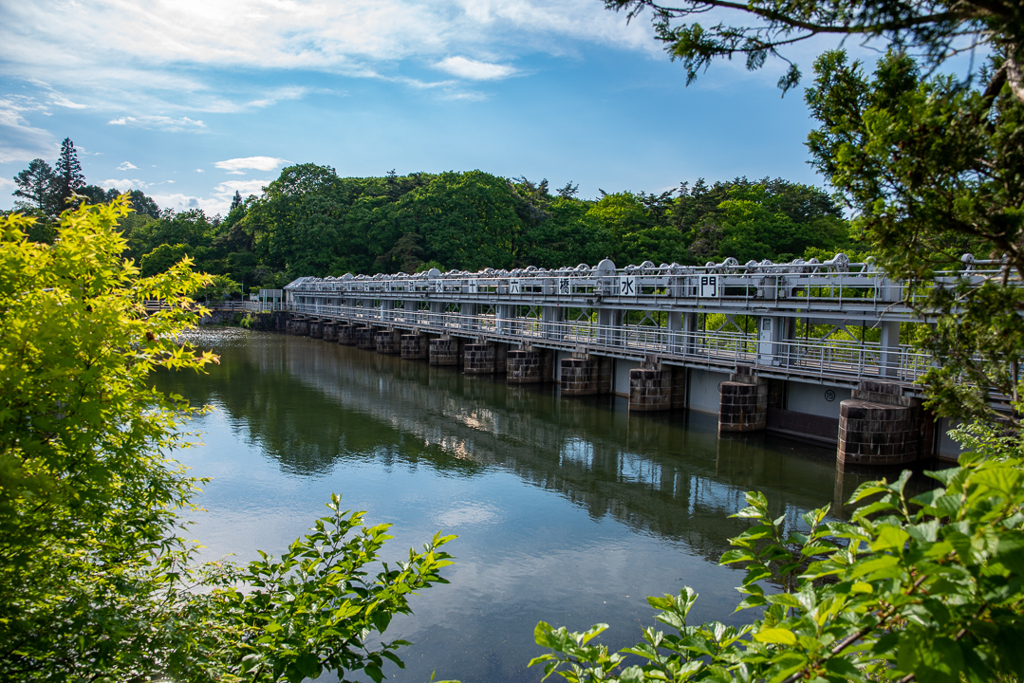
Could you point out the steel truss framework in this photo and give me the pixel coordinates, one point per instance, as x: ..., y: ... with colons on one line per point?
x: 641, y: 311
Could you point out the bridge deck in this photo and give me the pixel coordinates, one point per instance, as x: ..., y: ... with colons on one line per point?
x: 828, y: 362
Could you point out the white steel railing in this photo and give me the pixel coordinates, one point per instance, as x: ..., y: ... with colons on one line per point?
x: 807, y: 286
x: 815, y: 357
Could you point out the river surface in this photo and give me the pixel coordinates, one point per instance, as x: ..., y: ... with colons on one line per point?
x: 570, y: 511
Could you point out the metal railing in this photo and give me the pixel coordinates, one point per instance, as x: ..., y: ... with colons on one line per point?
x: 828, y: 358
x: 836, y: 284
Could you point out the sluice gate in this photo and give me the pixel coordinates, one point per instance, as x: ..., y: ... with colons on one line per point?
x: 810, y: 350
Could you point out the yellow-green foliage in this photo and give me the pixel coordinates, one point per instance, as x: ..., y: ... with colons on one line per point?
x: 94, y: 582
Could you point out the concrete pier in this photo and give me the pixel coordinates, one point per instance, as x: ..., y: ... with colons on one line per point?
x: 316, y: 329
x: 415, y: 347
x: 880, y: 426
x: 365, y: 338
x: 586, y: 375
x: 388, y: 341
x: 330, y: 330
x: 479, y: 359
x: 346, y: 334
x: 743, y: 403
x: 529, y: 366
x: 655, y: 387
x: 445, y: 351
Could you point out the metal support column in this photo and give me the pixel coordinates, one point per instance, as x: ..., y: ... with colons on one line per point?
x: 890, y: 360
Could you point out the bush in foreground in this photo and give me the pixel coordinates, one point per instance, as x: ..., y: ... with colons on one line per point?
x: 96, y: 584
x: 926, y: 589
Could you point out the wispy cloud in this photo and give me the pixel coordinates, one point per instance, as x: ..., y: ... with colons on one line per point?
x: 472, y: 69
x: 165, y: 123
x: 236, y: 166
x: 284, y: 94
x: 20, y: 141
x: 159, y: 64
x: 219, y: 200
x: 126, y: 166
x: 123, y: 184
x: 62, y: 101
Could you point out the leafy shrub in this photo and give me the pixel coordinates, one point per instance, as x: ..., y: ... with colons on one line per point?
x: 928, y: 589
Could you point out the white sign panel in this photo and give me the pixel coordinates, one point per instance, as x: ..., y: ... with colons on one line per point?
x: 563, y: 286
x: 473, y: 288
x: 513, y: 287
x: 627, y: 286
x: 439, y: 287
x: 709, y: 286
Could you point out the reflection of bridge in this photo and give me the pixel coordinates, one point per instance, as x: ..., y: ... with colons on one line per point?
x: 724, y: 338
x: 651, y: 474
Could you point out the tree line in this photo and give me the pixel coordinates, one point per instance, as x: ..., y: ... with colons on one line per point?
x: 310, y: 221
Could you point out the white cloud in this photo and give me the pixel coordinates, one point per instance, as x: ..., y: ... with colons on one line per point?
x: 127, y: 166
x: 62, y: 101
x: 472, y: 69
x: 19, y: 140
x: 6, y: 184
x: 235, y: 166
x: 286, y: 93
x: 218, y: 202
x: 165, y: 123
x: 123, y: 184
x: 160, y: 61
x: 199, y: 170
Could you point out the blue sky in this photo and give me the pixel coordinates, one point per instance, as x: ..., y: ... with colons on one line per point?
x: 191, y: 101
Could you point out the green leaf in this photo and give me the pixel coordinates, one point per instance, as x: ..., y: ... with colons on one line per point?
x: 731, y: 556
x: 308, y: 665
x: 890, y: 537
x: 843, y: 667
x: 775, y: 635
x: 876, y: 567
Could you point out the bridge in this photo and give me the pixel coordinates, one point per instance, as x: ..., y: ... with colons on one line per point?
x: 808, y: 349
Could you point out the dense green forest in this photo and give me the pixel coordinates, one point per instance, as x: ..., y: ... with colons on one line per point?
x: 310, y: 221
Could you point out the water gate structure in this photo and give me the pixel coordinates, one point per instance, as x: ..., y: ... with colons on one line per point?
x: 728, y: 339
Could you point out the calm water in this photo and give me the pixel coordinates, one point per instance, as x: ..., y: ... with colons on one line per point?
x: 568, y: 511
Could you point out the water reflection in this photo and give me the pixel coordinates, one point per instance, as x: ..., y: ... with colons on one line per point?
x: 503, y: 466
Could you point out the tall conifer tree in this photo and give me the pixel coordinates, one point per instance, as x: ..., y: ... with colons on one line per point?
x: 35, y: 184
x: 68, y: 176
